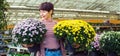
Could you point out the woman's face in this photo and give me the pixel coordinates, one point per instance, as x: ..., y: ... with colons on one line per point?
x: 45, y: 14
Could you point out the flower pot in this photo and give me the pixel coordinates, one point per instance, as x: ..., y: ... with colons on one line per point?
x: 27, y: 45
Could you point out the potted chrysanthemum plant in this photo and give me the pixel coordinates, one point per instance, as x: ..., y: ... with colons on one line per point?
x: 29, y: 31
x: 79, y: 33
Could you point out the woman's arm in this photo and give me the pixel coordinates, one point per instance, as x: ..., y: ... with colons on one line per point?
x: 62, y: 48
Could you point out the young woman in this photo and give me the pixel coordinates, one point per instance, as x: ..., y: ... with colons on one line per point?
x: 50, y: 45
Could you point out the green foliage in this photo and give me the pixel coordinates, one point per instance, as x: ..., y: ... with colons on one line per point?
x: 3, y: 7
x: 110, y: 42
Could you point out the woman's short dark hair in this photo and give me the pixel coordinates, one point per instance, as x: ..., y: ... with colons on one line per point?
x: 46, y: 6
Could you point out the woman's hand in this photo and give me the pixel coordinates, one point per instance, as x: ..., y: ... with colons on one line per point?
x: 27, y: 45
x: 75, y: 45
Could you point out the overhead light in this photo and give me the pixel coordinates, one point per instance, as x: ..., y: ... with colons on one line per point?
x: 29, y: 13
x: 18, y: 7
x: 118, y: 12
x: 78, y: 10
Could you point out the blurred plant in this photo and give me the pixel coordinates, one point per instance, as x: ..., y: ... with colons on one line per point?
x: 96, y: 44
x: 3, y: 7
x: 110, y: 42
x: 29, y: 31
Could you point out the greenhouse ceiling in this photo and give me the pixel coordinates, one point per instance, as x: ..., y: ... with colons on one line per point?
x: 22, y: 9
x: 101, y: 5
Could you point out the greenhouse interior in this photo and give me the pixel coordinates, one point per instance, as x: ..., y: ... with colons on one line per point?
x: 69, y: 28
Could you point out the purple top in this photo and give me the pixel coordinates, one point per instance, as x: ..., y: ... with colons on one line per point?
x: 50, y: 40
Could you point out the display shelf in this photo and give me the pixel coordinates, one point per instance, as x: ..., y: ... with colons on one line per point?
x: 4, y: 41
x: 18, y: 48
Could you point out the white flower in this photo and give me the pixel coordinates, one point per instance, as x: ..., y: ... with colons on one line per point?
x: 40, y: 29
x: 24, y: 34
x: 24, y: 39
x: 36, y: 32
x: 33, y: 33
x: 31, y: 40
x: 40, y: 35
x: 30, y: 35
